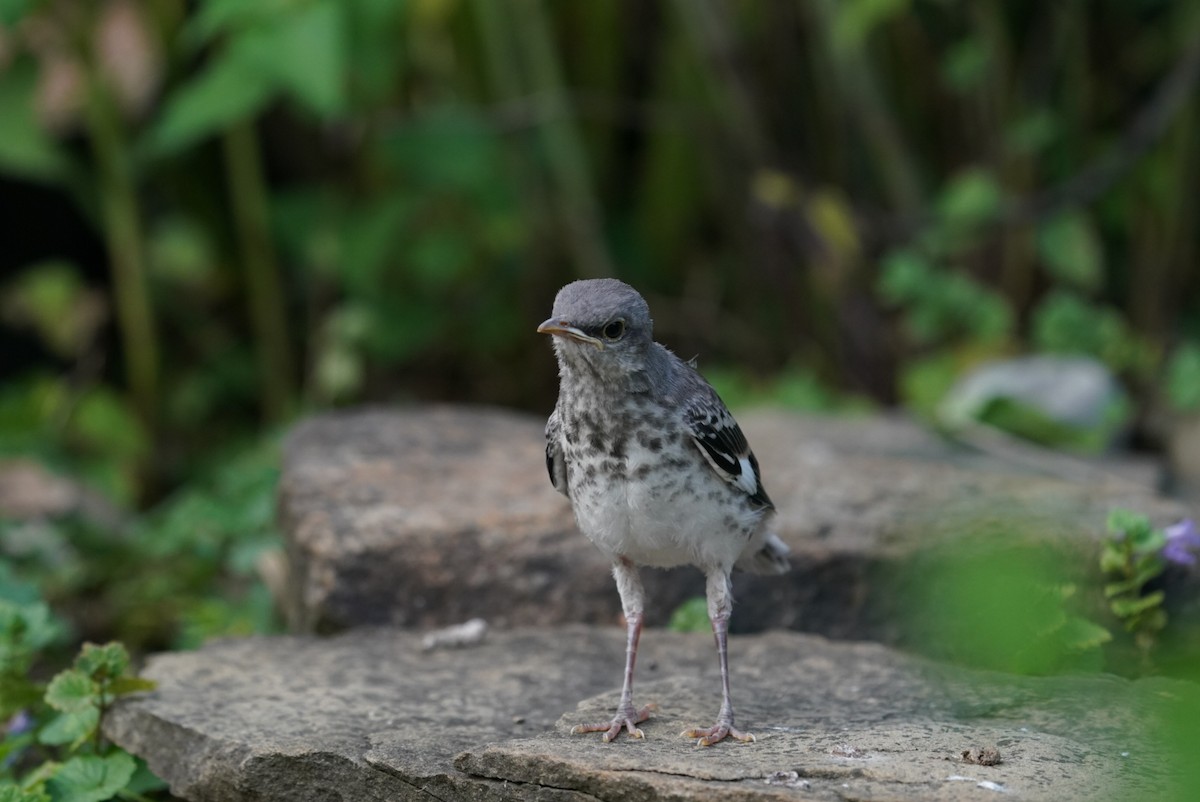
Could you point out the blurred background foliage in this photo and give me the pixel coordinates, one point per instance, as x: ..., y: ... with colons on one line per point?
x: 220, y: 215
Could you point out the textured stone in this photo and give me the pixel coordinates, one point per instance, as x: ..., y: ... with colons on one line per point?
x: 426, y: 517
x: 370, y: 715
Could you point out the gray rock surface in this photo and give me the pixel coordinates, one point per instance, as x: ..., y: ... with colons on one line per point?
x: 430, y: 516
x: 368, y: 715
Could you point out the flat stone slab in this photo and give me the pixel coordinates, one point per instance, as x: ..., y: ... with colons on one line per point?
x: 428, y: 516
x: 369, y: 715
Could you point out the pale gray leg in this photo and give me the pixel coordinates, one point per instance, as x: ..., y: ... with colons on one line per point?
x: 720, y: 604
x: 629, y: 586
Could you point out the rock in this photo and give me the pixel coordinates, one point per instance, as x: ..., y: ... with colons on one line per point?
x: 370, y: 715
x: 428, y: 517
x: 1073, y: 391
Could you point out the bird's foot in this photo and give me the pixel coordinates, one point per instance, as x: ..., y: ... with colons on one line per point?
x: 627, y: 718
x: 718, y: 732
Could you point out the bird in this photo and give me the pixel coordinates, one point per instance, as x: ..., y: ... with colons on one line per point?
x: 657, y: 471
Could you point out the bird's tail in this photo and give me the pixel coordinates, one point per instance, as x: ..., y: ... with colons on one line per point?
x: 769, y: 558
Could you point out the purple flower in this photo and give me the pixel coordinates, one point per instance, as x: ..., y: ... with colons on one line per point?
x: 1182, y: 541
x: 20, y: 723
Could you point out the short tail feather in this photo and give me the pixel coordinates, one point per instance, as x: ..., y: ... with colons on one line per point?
x: 771, y: 558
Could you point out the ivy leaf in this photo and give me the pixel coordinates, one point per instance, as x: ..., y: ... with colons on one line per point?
x: 10, y: 792
x: 1126, y: 608
x: 71, y: 691
x: 101, y: 662
x: 90, y: 778
x: 70, y: 728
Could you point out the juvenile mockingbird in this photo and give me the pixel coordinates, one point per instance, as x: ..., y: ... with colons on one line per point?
x: 657, y: 471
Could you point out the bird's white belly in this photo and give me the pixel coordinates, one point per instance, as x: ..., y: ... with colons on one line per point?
x: 664, y: 518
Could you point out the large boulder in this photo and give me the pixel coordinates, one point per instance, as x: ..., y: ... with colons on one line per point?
x: 428, y: 516
x: 371, y: 715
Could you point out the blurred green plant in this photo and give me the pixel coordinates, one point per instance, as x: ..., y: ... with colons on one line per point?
x: 198, y: 556
x: 995, y: 600
x: 1134, y: 556
x: 52, y: 748
x: 1131, y: 558
x: 691, y: 616
x: 1183, y: 378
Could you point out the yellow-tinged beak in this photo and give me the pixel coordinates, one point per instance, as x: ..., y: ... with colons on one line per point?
x: 562, y: 328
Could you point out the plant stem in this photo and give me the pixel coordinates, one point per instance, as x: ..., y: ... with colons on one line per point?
x: 248, y: 195
x: 564, y: 145
x: 124, y: 242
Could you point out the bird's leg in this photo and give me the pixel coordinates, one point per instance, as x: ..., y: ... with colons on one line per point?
x: 629, y: 585
x: 720, y: 604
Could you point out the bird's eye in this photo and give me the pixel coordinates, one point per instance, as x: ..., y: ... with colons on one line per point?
x: 614, y: 330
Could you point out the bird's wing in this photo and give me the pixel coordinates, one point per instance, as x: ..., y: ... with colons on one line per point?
x: 556, y: 463
x: 723, y: 445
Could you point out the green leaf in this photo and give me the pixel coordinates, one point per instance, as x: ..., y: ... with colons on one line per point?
x: 1113, y: 559
x: 966, y: 64
x: 227, y: 91
x: 71, y: 691
x: 972, y: 197
x: 1030, y: 134
x: 1127, y: 522
x: 102, y: 662
x: 1183, y: 377
x: 70, y: 728
x: 10, y: 792
x: 1125, y: 608
x: 854, y: 20
x: 691, y: 616
x: 123, y: 686
x: 905, y: 276
x: 26, y: 149
x: 305, y: 51
x: 25, y: 629
x: 1071, y: 251
x: 90, y: 778
x: 1080, y: 634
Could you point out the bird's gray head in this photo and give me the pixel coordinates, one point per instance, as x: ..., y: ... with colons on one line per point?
x: 601, y: 325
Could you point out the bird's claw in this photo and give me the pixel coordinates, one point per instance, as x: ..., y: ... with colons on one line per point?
x: 718, y: 732
x: 626, y: 720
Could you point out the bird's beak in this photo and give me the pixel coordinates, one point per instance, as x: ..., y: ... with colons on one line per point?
x: 562, y: 328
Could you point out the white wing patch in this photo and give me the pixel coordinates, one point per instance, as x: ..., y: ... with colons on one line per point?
x: 745, y: 480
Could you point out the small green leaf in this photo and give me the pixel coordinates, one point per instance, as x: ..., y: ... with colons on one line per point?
x: 1183, y: 377
x: 1080, y: 634
x: 71, y: 691
x: 972, y: 197
x: 966, y: 64
x: 1125, y: 608
x: 101, y: 662
x: 1123, y: 522
x: 10, y: 792
x: 70, y: 728
x: 225, y: 92
x: 1071, y: 251
x: 123, y: 686
x: 26, y: 149
x: 691, y: 616
x: 90, y: 778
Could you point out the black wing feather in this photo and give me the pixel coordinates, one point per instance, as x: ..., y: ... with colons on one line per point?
x: 721, y: 440
x: 556, y: 463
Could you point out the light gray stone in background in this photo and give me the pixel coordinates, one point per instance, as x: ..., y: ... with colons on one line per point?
x: 427, y: 517
x: 1075, y: 391
x: 370, y: 715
